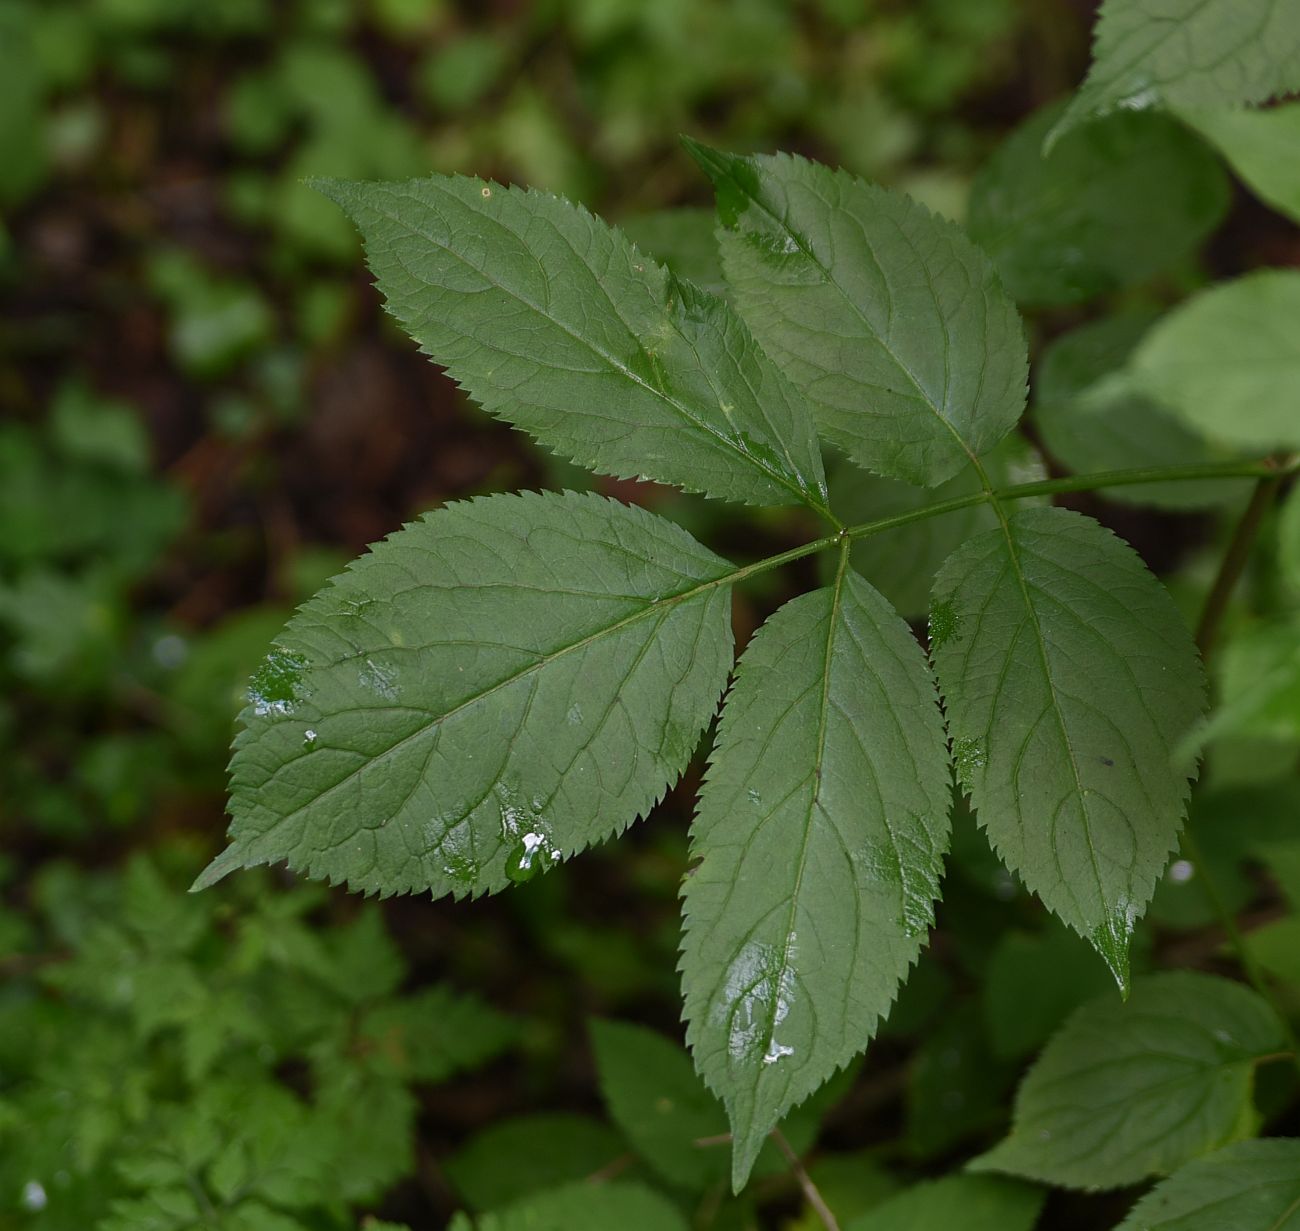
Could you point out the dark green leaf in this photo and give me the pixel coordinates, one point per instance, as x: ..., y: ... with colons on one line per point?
x: 968, y: 1202
x: 1212, y: 53
x: 554, y: 321
x: 820, y: 833
x: 1249, y: 1186
x: 1129, y: 1090
x: 490, y: 689
x: 1111, y: 205
x: 1069, y: 679
x: 513, y: 1159
x: 887, y: 317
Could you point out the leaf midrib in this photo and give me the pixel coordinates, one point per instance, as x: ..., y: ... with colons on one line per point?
x: 613, y: 362
x: 658, y: 607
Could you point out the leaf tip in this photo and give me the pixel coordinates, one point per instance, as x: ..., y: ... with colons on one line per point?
x: 228, y: 861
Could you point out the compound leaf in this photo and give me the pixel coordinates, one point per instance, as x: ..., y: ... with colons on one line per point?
x: 1228, y: 360
x: 1113, y: 204
x: 1129, y: 1090
x: 1177, y: 54
x: 1069, y: 679
x: 887, y: 317
x: 554, y: 321
x: 1248, y: 1186
x: 494, y: 687
x: 820, y: 833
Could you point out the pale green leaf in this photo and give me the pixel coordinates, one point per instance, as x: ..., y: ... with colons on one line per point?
x: 1262, y: 147
x: 492, y: 688
x: 901, y: 562
x: 820, y: 834
x: 888, y: 318
x: 554, y: 321
x: 1069, y: 679
x: 1259, y: 688
x: 1111, y: 205
x: 968, y: 1202
x: 1090, y: 418
x: 1132, y: 1089
x: 513, y: 1159
x: 1187, y: 54
x: 1228, y: 360
x: 1249, y: 1186
x: 621, y: 1206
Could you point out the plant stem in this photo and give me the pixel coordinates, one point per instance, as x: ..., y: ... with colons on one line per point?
x: 1207, y: 634
x: 1234, y: 561
x: 1021, y: 491
x: 810, y: 1191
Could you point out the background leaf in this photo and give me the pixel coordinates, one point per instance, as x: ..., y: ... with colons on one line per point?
x: 516, y: 1158
x: 971, y: 1202
x: 1227, y: 361
x: 1129, y: 1090
x: 494, y: 687
x: 589, y: 1207
x: 820, y: 833
x: 1261, y: 146
x: 1158, y: 53
x: 552, y: 320
x: 1112, y: 204
x: 1090, y: 418
x: 1249, y: 1186
x: 887, y: 317
x: 1069, y: 679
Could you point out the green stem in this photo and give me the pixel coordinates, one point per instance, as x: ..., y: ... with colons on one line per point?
x: 1207, y: 633
x: 1023, y: 491
x: 1234, y: 562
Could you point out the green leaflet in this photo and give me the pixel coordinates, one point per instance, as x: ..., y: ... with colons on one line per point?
x: 968, y: 1202
x: 1113, y: 204
x: 494, y: 687
x: 1129, y: 1090
x: 1262, y: 147
x: 1172, y: 53
x: 555, y: 322
x: 1090, y: 418
x: 888, y: 318
x: 820, y: 833
x: 1249, y: 1186
x: 1068, y: 678
x: 1228, y: 360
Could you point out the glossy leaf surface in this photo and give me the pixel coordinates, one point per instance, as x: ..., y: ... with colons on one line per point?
x: 555, y: 322
x: 820, y: 836
x: 1068, y: 679
x: 887, y: 317
x: 491, y: 689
